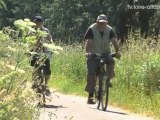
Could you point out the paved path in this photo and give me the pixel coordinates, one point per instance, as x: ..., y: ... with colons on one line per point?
x: 68, y: 107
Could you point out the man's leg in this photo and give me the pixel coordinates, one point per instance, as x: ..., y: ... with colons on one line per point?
x: 91, y: 80
x: 91, y: 83
x: 47, y: 73
x: 110, y: 67
x: 47, y: 77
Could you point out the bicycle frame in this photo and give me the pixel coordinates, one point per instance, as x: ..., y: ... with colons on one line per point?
x: 102, y: 79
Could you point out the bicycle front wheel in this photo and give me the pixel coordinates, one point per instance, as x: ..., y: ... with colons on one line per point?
x: 105, y: 93
x: 41, y: 99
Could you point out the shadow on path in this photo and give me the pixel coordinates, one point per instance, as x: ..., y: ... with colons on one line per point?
x: 121, y: 113
x: 54, y: 106
x: 114, y: 112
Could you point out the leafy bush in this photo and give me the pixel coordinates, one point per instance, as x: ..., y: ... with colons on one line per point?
x: 17, y: 99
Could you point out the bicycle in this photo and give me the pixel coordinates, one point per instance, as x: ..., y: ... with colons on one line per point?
x: 103, y: 83
x: 38, y: 78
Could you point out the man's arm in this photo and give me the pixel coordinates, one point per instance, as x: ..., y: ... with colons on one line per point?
x: 113, y: 38
x: 89, y: 38
x: 114, y: 42
x: 88, y: 45
x: 49, y: 36
x: 116, y: 46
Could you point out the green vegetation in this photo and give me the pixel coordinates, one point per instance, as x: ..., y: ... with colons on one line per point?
x: 135, y: 86
x: 68, y: 19
x: 15, y: 97
x: 69, y: 70
x: 137, y: 73
x: 17, y: 101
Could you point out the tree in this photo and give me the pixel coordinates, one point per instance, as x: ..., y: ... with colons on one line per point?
x: 19, y: 9
x: 2, y: 5
x: 68, y: 19
x: 145, y: 15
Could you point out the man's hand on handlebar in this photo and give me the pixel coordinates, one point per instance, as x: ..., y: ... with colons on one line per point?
x: 88, y: 55
x: 118, y: 54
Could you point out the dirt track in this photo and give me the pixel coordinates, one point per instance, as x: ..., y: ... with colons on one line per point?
x: 68, y: 107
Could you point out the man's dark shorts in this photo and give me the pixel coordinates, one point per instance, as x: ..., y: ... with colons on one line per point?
x: 46, y: 68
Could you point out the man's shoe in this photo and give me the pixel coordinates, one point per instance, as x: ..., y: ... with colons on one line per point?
x: 91, y: 100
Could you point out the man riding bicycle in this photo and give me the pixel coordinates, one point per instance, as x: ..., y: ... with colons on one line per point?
x: 98, y: 38
x: 39, y: 21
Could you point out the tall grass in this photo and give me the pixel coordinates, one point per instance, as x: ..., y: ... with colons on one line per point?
x: 135, y: 86
x: 136, y: 82
x: 69, y: 70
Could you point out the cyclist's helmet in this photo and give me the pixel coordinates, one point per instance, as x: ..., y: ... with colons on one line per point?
x: 38, y: 18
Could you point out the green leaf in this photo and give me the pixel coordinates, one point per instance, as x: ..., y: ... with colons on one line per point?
x: 42, y: 33
x: 52, y: 47
x: 25, y: 25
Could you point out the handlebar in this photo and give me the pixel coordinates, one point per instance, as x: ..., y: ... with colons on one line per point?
x: 96, y: 55
x: 102, y: 58
x: 34, y: 54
